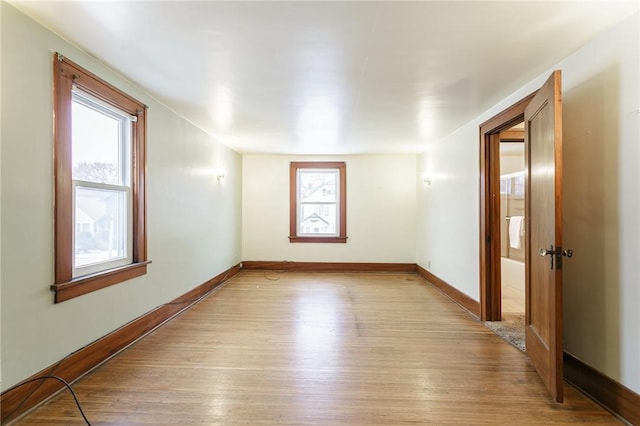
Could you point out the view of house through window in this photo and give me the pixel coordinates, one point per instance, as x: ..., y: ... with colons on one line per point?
x: 318, y: 202
x: 101, y: 155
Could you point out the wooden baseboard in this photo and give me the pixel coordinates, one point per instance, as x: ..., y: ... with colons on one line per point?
x: 15, y: 402
x: 408, y: 268
x: 453, y: 293
x: 617, y: 398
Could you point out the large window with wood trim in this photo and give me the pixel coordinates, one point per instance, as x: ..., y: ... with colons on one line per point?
x: 99, y: 148
x: 318, y: 202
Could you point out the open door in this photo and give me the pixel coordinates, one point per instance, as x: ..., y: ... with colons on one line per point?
x: 543, y: 284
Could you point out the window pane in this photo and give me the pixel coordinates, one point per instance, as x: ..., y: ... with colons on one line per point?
x: 518, y: 185
x: 318, y: 219
x: 504, y: 185
x: 100, y: 225
x: 99, y: 140
x: 318, y: 186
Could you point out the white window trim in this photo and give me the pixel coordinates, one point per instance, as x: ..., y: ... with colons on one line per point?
x: 115, y: 262
x: 335, y: 204
x: 124, y: 172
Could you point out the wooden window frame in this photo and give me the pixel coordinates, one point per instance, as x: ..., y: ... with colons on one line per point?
x: 293, y: 201
x: 67, y: 74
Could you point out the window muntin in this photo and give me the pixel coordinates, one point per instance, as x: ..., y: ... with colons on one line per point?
x: 318, y: 202
x: 100, y: 206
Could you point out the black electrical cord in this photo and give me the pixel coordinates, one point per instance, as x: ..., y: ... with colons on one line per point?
x: 35, y: 389
x: 42, y: 378
x: 277, y: 271
x: 64, y: 382
x: 272, y: 271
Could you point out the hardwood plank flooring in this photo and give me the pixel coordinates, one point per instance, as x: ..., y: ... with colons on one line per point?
x: 512, y: 287
x: 319, y: 349
x: 512, y: 298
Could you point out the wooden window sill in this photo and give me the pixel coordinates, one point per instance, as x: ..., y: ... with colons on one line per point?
x: 296, y: 239
x: 89, y: 283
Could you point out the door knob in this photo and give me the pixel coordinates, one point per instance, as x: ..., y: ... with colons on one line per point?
x: 544, y: 252
x: 557, y: 253
x: 548, y: 252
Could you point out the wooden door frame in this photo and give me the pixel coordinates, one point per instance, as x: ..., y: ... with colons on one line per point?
x: 490, y: 291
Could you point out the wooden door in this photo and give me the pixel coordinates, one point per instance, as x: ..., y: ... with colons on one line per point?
x: 543, y: 292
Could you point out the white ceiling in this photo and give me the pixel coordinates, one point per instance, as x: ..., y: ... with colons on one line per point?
x: 328, y: 77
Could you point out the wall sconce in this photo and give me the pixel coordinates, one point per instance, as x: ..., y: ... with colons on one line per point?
x: 220, y: 174
x: 426, y: 180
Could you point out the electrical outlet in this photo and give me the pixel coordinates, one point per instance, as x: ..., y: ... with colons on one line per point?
x: 428, y: 263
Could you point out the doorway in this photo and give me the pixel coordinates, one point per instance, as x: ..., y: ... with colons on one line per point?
x: 510, y: 237
x: 493, y: 225
x: 512, y: 224
x: 542, y: 114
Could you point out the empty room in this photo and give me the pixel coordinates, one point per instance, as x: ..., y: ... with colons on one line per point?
x: 319, y: 213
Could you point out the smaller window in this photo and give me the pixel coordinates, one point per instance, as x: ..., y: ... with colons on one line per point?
x: 318, y: 202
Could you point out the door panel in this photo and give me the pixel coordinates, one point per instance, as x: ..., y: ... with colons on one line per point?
x: 543, y: 293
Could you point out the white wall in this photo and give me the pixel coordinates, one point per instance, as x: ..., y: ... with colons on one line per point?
x: 602, y: 204
x: 512, y: 163
x: 380, y: 210
x: 601, y: 201
x: 193, y: 220
x: 447, y: 221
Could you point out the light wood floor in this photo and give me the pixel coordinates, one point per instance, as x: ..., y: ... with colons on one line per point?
x: 319, y: 349
x: 512, y: 297
x: 512, y: 285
